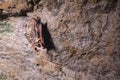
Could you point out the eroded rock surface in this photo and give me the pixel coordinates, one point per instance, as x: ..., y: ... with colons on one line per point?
x: 86, y: 36
x: 17, y: 7
x: 16, y: 55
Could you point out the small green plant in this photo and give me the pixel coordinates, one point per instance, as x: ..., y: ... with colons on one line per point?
x: 5, y: 29
x: 5, y: 77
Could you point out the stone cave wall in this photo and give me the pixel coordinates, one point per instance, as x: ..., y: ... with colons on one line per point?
x: 86, y: 35
x: 17, y: 7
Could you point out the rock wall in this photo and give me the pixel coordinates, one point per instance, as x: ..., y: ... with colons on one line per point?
x: 86, y: 36
x: 17, y: 7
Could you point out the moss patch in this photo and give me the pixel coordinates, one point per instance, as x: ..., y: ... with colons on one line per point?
x: 5, y: 77
x: 5, y: 29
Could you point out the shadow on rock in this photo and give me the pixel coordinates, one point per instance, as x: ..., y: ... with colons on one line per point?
x: 47, y: 38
